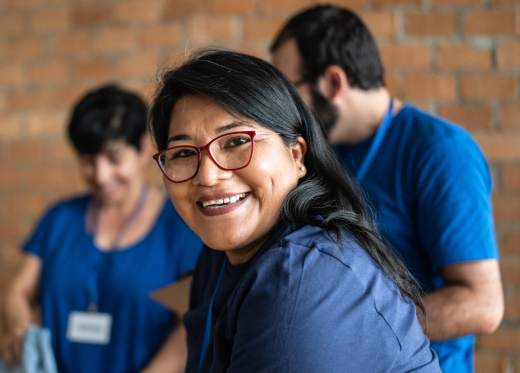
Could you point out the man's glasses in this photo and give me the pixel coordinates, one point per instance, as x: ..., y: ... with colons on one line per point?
x: 229, y: 152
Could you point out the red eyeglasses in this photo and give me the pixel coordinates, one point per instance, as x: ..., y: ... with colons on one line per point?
x: 231, y: 151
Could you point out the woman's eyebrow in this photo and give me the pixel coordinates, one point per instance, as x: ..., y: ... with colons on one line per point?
x: 179, y: 137
x: 230, y: 126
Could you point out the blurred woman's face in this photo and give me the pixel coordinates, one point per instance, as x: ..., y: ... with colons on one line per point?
x: 115, y: 173
x: 241, y: 225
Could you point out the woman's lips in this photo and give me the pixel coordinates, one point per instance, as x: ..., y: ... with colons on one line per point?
x: 216, y: 205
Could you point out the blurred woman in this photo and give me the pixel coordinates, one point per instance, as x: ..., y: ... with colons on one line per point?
x: 293, y: 277
x: 93, y: 259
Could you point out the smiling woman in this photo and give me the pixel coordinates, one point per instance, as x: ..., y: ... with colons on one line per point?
x: 293, y: 278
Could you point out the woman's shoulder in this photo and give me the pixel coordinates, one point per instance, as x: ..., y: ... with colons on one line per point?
x: 67, y: 208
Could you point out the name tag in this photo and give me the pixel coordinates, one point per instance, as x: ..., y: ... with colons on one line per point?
x: 89, y: 327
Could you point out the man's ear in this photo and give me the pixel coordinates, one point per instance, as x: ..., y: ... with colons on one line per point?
x: 333, y: 83
x: 298, y: 151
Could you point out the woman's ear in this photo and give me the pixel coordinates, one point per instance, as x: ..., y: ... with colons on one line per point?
x: 298, y: 151
x: 333, y: 83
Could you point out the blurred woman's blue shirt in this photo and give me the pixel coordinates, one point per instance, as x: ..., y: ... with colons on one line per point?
x: 126, y: 278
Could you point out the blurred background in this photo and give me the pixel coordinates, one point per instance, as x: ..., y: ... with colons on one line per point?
x: 456, y: 58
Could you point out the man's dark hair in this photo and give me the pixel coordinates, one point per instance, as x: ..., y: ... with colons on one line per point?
x: 327, y: 35
x: 250, y: 88
x: 107, y: 114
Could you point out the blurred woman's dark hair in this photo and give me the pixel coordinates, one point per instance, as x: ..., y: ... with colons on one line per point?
x: 328, y: 35
x: 252, y: 89
x: 107, y: 114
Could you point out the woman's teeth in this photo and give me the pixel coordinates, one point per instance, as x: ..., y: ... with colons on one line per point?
x: 217, y: 203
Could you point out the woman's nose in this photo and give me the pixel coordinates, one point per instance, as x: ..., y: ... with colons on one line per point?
x: 209, y: 173
x: 102, y: 171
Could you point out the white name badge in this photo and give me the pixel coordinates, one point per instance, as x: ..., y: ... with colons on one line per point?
x: 89, y: 327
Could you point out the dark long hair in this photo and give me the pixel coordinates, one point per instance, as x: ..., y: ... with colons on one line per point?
x: 248, y: 87
x: 328, y: 35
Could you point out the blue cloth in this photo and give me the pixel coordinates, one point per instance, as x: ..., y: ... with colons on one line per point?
x: 303, y: 304
x: 37, y: 354
x: 140, y: 325
x: 430, y: 190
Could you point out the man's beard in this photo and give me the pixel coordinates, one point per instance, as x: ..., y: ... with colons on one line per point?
x: 326, y: 112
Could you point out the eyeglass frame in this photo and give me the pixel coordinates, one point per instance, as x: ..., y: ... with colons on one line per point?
x: 206, y: 148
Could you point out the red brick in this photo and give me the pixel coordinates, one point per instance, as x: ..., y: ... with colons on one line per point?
x: 49, y: 177
x: 429, y: 86
x: 25, y: 4
x: 10, y: 126
x: 161, y: 36
x: 137, y: 11
x: 512, y: 310
x: 500, y: 147
x: 463, y: 56
x: 49, y: 72
x: 257, y: 52
x: 511, y: 176
x: 66, y: 96
x: 431, y: 24
x: 262, y: 28
x: 30, y: 99
x: 507, y: 210
x: 508, y: 55
x: 26, y: 151
x: 470, y: 117
x: 9, y: 178
x: 286, y: 4
x: 396, y: 2
x: 9, y: 229
x: 402, y: 56
x: 62, y: 151
x: 490, y: 363
x: 73, y: 42
x: 204, y: 30
x: 392, y: 84
x: 350, y: 4
x: 491, y: 23
x: 91, y: 16
x: 28, y: 204
x: 47, y: 124
x: 114, y: 40
x: 232, y: 6
x: 11, y: 24
x: 143, y: 64
x: 94, y: 69
x: 511, y: 243
x: 510, y: 116
x: 179, y: 8
x: 505, y: 338
x: 27, y: 47
x: 488, y: 86
x: 51, y: 20
x: 11, y: 74
x: 381, y: 24
x: 456, y: 2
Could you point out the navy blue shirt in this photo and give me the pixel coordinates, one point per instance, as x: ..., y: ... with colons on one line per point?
x: 429, y: 186
x: 303, y: 304
x: 140, y: 325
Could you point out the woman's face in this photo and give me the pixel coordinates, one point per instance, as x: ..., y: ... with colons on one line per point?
x: 238, y: 227
x: 114, y: 174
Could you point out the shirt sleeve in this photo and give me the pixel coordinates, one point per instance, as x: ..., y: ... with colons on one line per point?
x: 454, y: 211
x: 317, y: 317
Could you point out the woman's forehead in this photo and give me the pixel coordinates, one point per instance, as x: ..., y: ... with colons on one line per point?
x: 194, y: 114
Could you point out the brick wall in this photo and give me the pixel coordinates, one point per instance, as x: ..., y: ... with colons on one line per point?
x: 456, y: 58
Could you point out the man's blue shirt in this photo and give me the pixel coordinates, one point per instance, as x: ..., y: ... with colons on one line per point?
x: 429, y: 187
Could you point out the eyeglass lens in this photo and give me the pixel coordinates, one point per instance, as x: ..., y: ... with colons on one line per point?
x: 230, y: 152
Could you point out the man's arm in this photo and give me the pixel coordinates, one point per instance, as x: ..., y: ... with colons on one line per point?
x: 471, y: 302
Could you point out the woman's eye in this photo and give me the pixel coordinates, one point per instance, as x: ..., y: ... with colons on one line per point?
x: 237, y: 141
x: 183, y: 153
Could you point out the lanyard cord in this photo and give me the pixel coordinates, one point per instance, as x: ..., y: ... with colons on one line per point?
x: 95, y: 260
x: 207, y: 332
x: 376, y: 144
